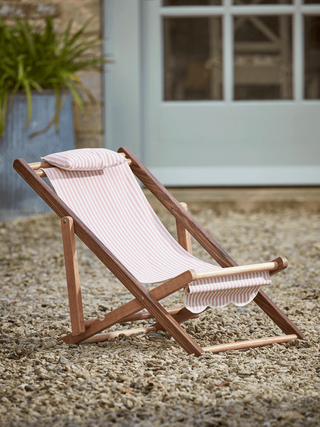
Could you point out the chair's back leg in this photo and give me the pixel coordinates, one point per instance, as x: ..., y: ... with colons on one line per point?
x: 72, y: 272
x: 184, y: 237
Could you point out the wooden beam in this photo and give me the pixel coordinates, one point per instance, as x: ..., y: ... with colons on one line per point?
x: 39, y: 165
x: 184, y: 237
x: 93, y: 327
x: 72, y: 273
x: 127, y: 332
x: 144, y: 315
x: 250, y: 344
x: 279, y: 318
x: 241, y: 269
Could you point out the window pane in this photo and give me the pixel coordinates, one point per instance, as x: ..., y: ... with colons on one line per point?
x: 312, y: 57
x: 192, y: 58
x: 263, y: 57
x: 311, y: 1
x: 257, y: 2
x: 191, y: 2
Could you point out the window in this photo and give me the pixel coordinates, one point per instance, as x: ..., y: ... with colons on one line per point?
x: 241, y: 50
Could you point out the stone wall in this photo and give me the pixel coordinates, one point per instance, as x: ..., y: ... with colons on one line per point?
x: 88, y: 127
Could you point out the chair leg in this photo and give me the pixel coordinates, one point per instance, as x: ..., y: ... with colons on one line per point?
x: 72, y: 272
x: 279, y: 318
x: 184, y: 237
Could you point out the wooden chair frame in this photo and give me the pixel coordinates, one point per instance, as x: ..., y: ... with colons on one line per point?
x: 169, y: 320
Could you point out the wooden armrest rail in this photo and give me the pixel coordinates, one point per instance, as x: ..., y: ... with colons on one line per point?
x: 241, y: 269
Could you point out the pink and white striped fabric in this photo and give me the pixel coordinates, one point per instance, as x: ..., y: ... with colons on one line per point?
x: 239, y: 289
x: 85, y: 159
x: 112, y: 205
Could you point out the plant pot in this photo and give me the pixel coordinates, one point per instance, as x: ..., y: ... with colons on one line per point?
x: 16, y: 197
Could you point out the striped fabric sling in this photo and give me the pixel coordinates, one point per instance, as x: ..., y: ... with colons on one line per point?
x: 99, y: 186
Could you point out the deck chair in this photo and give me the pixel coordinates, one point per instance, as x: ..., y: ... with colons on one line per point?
x: 98, y: 198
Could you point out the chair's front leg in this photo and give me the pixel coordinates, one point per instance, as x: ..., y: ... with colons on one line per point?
x: 72, y: 272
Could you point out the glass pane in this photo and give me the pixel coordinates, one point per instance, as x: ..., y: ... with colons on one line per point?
x: 312, y: 57
x: 192, y: 58
x: 263, y: 57
x: 191, y: 2
x: 257, y: 2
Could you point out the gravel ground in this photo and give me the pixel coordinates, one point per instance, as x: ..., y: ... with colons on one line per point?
x: 148, y: 380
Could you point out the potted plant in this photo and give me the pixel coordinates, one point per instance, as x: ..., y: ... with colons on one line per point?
x: 38, y: 79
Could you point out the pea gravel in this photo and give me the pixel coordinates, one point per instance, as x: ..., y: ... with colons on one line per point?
x: 148, y: 380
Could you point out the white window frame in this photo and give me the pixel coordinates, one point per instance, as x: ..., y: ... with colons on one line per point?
x: 122, y: 87
x: 297, y: 10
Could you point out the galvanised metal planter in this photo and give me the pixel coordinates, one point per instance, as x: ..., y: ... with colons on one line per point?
x: 16, y: 197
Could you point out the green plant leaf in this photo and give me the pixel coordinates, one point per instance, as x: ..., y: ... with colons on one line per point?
x: 14, y: 91
x: 56, y: 92
x: 29, y: 102
x: 38, y: 58
x: 3, y: 110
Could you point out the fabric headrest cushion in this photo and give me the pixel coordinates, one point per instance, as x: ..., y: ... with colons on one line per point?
x: 85, y: 159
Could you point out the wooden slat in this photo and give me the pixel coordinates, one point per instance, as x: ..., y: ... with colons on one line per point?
x: 274, y: 312
x: 241, y: 269
x: 127, y: 332
x: 128, y: 160
x: 93, y: 327
x: 184, y: 237
x: 205, y: 240
x: 250, y: 344
x: 172, y: 285
x: 36, y: 166
x: 72, y: 272
x: 144, y: 315
x: 39, y: 165
x: 270, y: 308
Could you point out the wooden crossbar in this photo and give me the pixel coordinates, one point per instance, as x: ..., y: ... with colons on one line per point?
x: 250, y: 343
x: 38, y: 165
x: 241, y: 269
x: 127, y: 332
x: 239, y: 345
